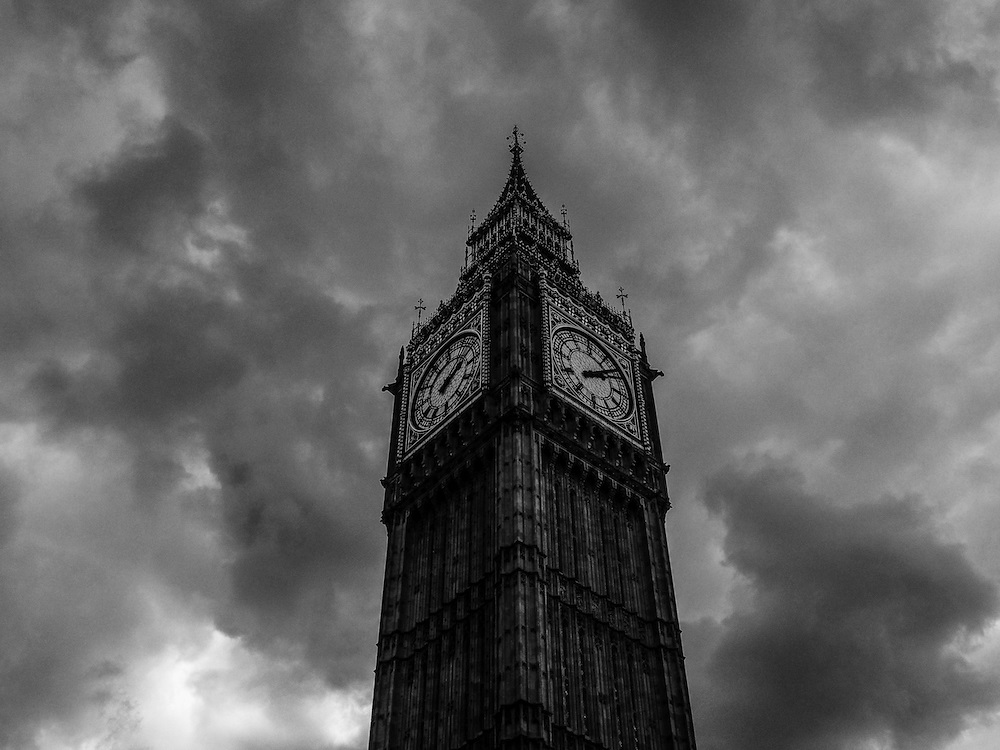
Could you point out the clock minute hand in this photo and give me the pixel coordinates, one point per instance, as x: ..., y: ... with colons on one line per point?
x: 448, y: 379
x: 602, y: 374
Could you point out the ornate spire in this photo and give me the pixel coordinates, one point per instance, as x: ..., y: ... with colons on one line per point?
x: 519, y: 214
x: 517, y: 185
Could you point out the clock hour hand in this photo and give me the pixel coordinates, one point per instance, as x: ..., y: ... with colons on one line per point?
x: 447, y: 380
x: 602, y: 374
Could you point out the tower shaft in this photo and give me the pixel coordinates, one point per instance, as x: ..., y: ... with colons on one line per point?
x: 528, y: 598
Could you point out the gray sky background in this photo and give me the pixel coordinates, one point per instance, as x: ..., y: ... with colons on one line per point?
x: 216, y: 217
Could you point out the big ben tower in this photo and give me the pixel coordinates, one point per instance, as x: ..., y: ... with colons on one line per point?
x: 528, y: 598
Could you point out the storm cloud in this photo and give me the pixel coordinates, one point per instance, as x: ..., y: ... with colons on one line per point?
x: 216, y: 218
x: 852, y: 623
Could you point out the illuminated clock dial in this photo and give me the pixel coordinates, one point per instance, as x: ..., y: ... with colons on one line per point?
x: 450, y: 378
x: 592, y: 375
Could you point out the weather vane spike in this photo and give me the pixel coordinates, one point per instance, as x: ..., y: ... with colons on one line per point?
x: 622, y: 296
x: 515, y: 138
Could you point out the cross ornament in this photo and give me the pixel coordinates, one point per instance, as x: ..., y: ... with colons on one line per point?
x: 622, y: 296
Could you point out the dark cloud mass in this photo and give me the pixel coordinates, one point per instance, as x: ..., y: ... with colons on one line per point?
x: 216, y: 216
x: 850, y: 629
x: 147, y: 182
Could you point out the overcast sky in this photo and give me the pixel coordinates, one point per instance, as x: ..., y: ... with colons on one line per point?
x: 217, y: 215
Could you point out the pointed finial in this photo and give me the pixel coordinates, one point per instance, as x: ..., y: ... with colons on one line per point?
x: 622, y: 296
x: 563, y: 211
x: 419, y: 307
x: 472, y: 222
x: 515, y: 139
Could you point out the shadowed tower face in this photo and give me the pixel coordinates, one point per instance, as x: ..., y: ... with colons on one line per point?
x: 528, y: 599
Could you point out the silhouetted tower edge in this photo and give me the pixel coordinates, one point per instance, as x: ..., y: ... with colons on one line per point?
x: 528, y: 598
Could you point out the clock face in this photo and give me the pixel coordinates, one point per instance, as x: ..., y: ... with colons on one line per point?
x: 591, y: 374
x: 450, y: 378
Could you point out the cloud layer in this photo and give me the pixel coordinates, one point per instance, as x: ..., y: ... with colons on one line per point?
x: 852, y: 625
x: 215, y: 218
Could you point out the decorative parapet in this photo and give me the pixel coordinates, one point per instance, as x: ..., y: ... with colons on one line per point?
x: 562, y: 274
x: 570, y: 284
x: 468, y: 286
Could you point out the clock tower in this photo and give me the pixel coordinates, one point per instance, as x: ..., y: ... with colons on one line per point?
x: 528, y: 599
